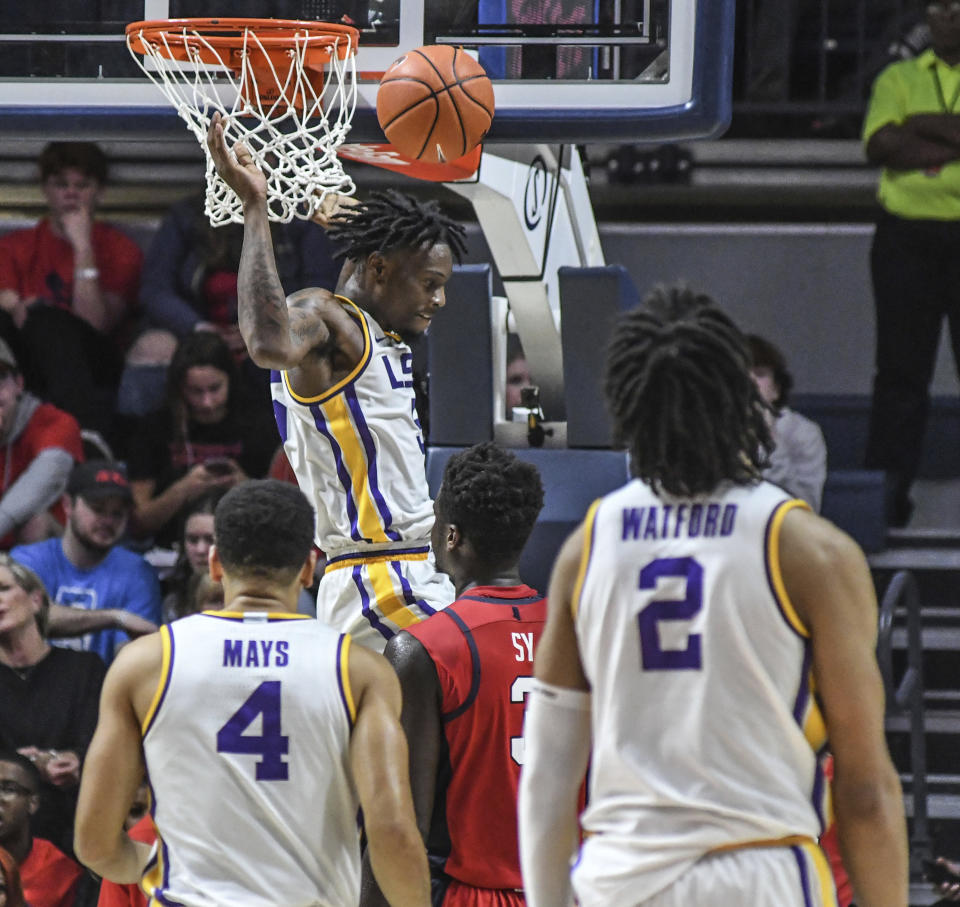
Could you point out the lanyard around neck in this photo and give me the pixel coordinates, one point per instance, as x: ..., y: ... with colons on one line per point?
x: 941, y: 97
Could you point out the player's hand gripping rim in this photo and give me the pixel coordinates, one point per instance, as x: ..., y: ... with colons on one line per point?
x: 237, y: 168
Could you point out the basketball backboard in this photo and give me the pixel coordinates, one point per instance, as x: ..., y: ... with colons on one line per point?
x: 603, y: 71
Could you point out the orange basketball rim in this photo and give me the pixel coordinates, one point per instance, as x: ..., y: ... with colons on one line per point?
x: 264, y: 53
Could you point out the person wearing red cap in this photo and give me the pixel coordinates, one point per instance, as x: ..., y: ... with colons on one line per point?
x: 103, y: 594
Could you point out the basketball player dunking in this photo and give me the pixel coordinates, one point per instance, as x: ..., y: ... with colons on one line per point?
x: 262, y: 733
x: 709, y: 632
x: 343, y: 393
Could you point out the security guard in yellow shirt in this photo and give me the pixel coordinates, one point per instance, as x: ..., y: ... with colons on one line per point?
x: 912, y: 130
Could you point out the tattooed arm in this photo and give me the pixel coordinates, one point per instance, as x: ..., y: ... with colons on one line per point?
x: 278, y: 333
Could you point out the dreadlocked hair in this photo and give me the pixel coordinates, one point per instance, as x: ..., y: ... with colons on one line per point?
x: 493, y: 498
x: 680, y: 394
x: 391, y: 221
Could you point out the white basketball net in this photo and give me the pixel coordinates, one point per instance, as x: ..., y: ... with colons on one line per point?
x: 295, y: 149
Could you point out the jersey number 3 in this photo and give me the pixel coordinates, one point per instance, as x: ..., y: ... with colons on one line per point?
x: 271, y: 745
x: 653, y: 656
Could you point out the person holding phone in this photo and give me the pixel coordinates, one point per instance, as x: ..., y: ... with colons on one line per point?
x: 210, y: 435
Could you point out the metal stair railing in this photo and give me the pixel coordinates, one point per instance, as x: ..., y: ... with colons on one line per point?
x: 907, y: 696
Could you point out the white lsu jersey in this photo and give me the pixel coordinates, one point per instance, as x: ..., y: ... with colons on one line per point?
x: 357, y: 449
x: 246, y: 746
x: 705, y: 730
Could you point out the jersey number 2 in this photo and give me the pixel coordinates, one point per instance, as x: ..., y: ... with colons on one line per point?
x: 271, y: 745
x: 653, y: 656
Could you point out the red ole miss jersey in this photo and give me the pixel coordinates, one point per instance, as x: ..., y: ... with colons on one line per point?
x: 482, y: 646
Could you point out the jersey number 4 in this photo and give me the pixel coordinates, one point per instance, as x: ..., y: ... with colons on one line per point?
x: 652, y: 655
x: 271, y: 745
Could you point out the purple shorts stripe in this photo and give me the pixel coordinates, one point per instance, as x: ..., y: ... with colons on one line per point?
x: 359, y: 555
x: 408, y: 597
x: 343, y: 474
x: 370, y: 449
x: 369, y: 614
x: 804, y: 878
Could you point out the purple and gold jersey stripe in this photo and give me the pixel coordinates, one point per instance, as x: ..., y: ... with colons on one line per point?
x: 371, y: 460
x: 587, y: 550
x: 342, y: 422
x: 156, y: 874
x: 355, y: 372
x: 349, y: 485
x: 807, y: 714
x: 339, y: 417
x: 343, y: 678
x: 815, y: 875
x: 774, y: 574
x: 163, y: 682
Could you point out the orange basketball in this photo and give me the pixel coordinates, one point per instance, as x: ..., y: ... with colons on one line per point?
x: 435, y: 103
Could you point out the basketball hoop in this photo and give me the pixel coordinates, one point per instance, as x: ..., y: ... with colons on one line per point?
x: 288, y: 89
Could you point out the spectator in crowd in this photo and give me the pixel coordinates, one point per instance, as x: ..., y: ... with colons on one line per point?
x: 458, y: 671
x: 70, y: 284
x: 144, y: 381
x: 48, y: 699
x: 101, y: 591
x: 114, y: 894
x: 11, y: 891
x: 48, y: 876
x: 280, y: 467
x: 38, y: 447
x: 196, y: 538
x: 798, y: 461
x: 205, y: 594
x: 945, y: 876
x: 912, y: 130
x: 518, y: 373
x: 190, y: 270
x: 209, y: 435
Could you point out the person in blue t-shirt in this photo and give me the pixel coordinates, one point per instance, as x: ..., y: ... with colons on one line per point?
x: 103, y: 594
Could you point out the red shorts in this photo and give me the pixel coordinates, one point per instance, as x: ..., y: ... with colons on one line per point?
x: 451, y: 893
